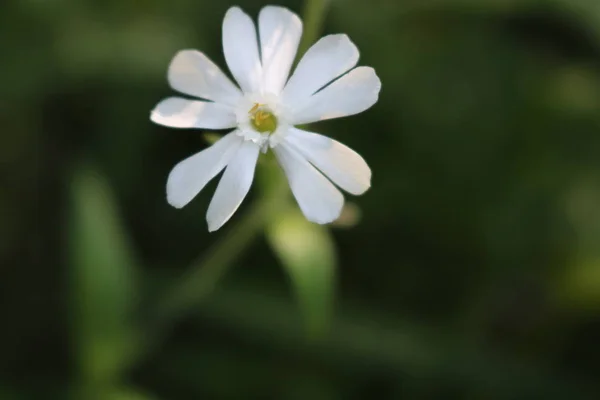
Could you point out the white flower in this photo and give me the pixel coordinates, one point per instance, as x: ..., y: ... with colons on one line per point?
x: 263, y: 112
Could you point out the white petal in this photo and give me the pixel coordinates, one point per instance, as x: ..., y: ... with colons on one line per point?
x: 338, y: 162
x: 190, y: 176
x: 176, y: 112
x: 234, y: 185
x: 280, y: 32
x: 326, y: 60
x: 319, y: 199
x: 353, y: 93
x: 240, y: 46
x: 192, y: 73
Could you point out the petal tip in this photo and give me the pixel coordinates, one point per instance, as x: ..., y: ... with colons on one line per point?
x: 363, y: 190
x: 174, y: 197
x: 212, y: 229
x: 367, y: 180
x: 182, y: 53
x: 344, y: 40
x: 175, y: 203
x: 182, y: 57
x: 377, y: 79
x: 159, y: 118
x: 281, y: 9
x: 156, y: 117
x: 373, y: 74
x: 212, y: 225
x: 364, y: 187
x: 328, y: 220
x: 234, y: 10
x: 376, y: 84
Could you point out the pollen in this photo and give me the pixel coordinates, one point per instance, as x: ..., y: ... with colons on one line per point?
x: 262, y: 119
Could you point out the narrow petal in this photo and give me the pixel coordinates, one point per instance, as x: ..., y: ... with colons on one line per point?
x: 194, y: 74
x: 234, y: 185
x: 190, y: 176
x: 326, y: 60
x: 280, y: 32
x: 176, y: 112
x: 240, y: 46
x: 353, y: 93
x: 338, y: 162
x: 319, y: 199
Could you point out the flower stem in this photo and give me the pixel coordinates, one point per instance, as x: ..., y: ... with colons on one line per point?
x: 314, y: 15
x: 206, y: 272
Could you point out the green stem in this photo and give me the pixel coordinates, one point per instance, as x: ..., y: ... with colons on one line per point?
x: 205, y: 273
x: 314, y: 15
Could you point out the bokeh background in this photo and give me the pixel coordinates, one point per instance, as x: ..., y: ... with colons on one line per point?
x: 470, y: 270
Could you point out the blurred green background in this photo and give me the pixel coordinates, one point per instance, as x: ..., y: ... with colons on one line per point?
x: 470, y: 270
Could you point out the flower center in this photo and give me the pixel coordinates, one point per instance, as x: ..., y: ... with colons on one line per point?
x: 262, y: 119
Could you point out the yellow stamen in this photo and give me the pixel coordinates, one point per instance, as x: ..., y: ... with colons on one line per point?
x: 253, y: 109
x: 262, y: 119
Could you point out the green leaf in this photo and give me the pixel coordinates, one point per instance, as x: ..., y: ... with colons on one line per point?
x: 308, y: 253
x: 102, y: 272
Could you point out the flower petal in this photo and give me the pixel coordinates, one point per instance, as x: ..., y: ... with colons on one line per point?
x: 240, y: 47
x: 176, y: 112
x: 194, y: 74
x: 280, y: 32
x: 319, y: 199
x: 327, y: 59
x: 338, y: 162
x: 190, y: 176
x: 353, y: 93
x: 234, y: 185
